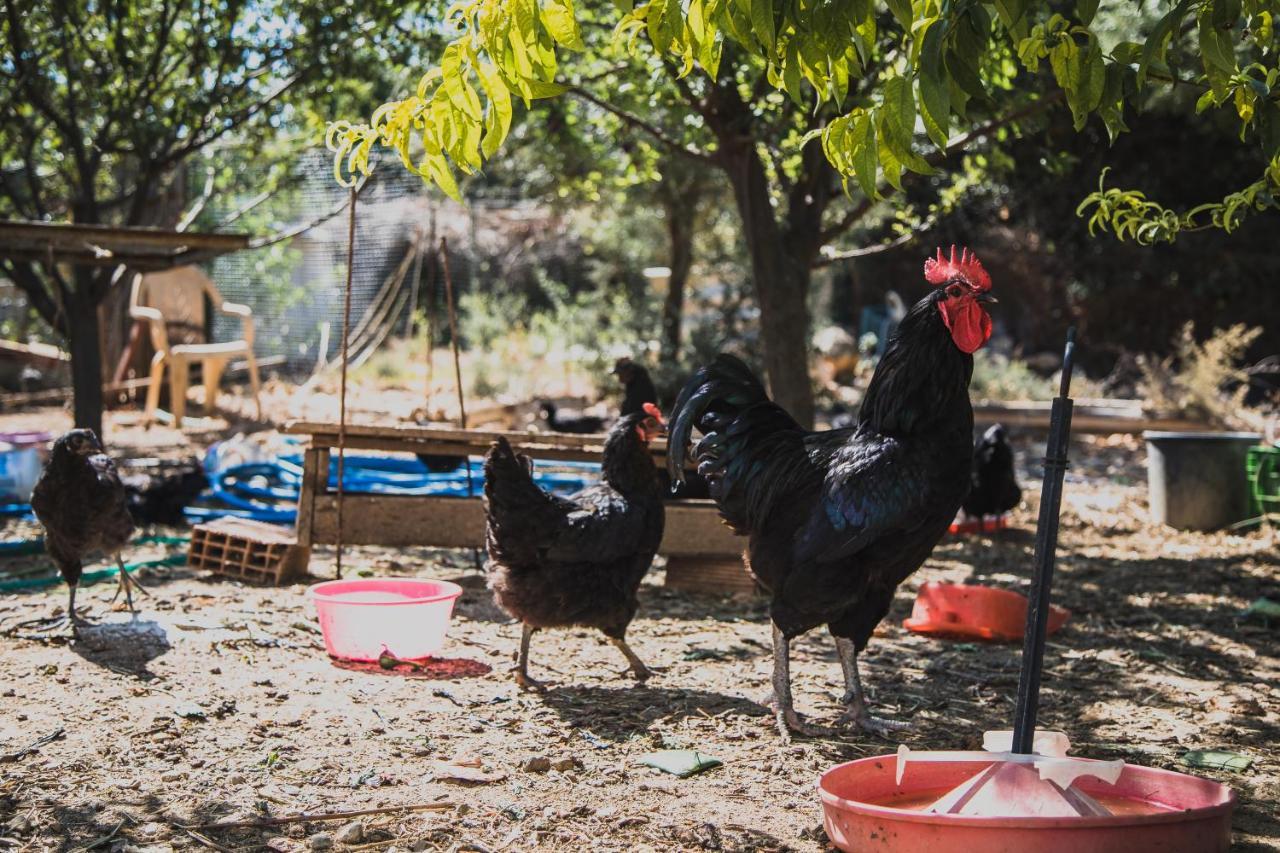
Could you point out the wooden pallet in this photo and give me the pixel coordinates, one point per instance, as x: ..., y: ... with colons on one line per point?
x: 713, y: 575
x: 248, y: 550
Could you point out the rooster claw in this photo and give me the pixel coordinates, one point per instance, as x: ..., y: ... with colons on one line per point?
x: 527, y: 682
x: 788, y: 722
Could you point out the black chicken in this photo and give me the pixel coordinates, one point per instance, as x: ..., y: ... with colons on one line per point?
x: 161, y: 495
x: 438, y: 463
x: 575, y: 422
x: 557, y: 562
x: 637, y: 386
x: 838, y: 519
x: 995, y: 488
x: 84, y: 509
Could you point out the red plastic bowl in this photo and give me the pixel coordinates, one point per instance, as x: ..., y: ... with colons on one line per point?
x: 407, y: 617
x: 1191, y: 815
x: 974, y: 612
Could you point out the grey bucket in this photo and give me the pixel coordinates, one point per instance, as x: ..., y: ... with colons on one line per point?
x: 1197, y: 480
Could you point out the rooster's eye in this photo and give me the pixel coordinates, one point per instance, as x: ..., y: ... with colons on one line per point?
x: 954, y: 291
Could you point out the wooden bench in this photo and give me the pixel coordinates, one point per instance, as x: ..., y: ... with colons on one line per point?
x: 695, y: 541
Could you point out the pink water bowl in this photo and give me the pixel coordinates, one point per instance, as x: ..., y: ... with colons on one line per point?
x: 407, y: 617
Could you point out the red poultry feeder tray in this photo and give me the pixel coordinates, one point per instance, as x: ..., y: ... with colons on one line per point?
x: 974, y: 613
x: 865, y: 807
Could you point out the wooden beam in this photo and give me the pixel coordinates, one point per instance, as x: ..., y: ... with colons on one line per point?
x: 693, y: 528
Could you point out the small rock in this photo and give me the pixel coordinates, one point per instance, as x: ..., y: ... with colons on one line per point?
x: 564, y: 764
x: 351, y: 833
x: 537, y: 764
x: 235, y: 779
x: 151, y: 829
x: 290, y: 790
x: 280, y: 844
x: 320, y: 841
x: 173, y: 776
x: 19, y: 825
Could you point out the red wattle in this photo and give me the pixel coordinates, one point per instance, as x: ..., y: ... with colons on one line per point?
x: 970, y: 326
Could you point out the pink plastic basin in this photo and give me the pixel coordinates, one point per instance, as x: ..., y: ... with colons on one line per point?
x: 406, y: 616
x: 864, y: 809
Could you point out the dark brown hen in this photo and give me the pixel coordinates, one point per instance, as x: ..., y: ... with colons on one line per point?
x: 558, y: 562
x: 83, y: 506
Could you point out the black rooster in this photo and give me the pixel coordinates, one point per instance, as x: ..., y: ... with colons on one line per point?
x: 573, y: 423
x: 557, y: 562
x: 84, y: 509
x: 838, y: 519
x: 995, y: 488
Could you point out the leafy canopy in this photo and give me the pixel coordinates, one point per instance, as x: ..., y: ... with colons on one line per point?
x: 935, y: 60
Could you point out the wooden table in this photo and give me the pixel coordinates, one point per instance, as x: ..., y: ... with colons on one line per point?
x: 694, y: 535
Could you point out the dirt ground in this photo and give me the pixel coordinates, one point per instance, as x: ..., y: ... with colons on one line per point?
x: 218, y: 703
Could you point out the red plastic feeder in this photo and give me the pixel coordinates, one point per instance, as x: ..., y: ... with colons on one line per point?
x: 986, y: 524
x: 866, y: 808
x: 974, y: 613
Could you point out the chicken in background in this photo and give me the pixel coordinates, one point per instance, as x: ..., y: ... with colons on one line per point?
x: 995, y: 487
x: 161, y: 493
x: 637, y: 386
x: 572, y: 422
x: 558, y: 562
x: 83, y: 506
x: 837, y: 519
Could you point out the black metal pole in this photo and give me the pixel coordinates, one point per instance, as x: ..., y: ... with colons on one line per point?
x: 1055, y: 467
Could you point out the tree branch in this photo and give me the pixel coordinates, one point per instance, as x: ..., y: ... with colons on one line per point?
x: 24, y: 276
x: 640, y: 124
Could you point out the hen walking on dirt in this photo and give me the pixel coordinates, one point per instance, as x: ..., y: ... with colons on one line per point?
x: 83, y: 506
x: 837, y: 519
x: 557, y: 562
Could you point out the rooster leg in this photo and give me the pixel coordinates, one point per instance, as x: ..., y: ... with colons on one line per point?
x: 521, y: 669
x: 855, y: 698
x: 127, y: 585
x: 784, y: 712
x: 638, y: 669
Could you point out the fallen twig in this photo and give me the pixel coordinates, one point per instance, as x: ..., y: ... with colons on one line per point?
x: 99, y: 842
x: 34, y: 745
x: 207, y: 842
x: 316, y: 818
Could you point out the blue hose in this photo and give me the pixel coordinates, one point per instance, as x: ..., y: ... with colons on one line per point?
x: 255, y: 490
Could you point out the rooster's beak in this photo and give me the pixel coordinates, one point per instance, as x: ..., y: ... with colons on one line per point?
x: 987, y: 298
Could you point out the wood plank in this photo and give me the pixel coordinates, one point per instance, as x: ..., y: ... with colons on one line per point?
x: 693, y: 527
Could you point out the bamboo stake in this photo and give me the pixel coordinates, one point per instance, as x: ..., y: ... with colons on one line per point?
x: 342, y: 388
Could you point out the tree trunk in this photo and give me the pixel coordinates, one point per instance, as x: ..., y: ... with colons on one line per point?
x: 85, y: 343
x: 680, y: 226
x: 781, y: 285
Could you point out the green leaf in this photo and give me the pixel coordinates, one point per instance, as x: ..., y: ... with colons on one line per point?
x: 497, y: 120
x: 1216, y: 49
x: 965, y: 75
x: 559, y: 19
x: 935, y: 97
x: 901, y: 10
x: 1204, y: 102
x: 865, y: 156
x: 1013, y: 14
x: 762, y: 22
x: 661, y: 33
x: 1085, y: 11
x: 1154, y: 49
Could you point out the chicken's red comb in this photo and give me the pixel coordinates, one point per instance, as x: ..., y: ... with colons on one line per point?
x: 968, y: 268
x: 654, y: 412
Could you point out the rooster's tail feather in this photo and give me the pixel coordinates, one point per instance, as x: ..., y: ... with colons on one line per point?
x: 740, y: 427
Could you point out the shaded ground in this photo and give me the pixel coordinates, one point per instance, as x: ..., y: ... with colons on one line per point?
x: 219, y: 703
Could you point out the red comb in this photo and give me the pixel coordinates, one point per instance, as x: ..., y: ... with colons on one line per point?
x: 968, y: 268
x: 654, y: 412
